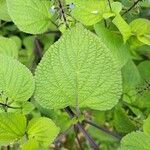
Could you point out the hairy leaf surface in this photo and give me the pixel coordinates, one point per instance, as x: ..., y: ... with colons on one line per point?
x: 31, y: 16
x: 8, y: 47
x: 42, y: 130
x: 16, y: 81
x: 89, y: 12
x: 78, y: 70
x: 135, y: 141
x: 12, y: 127
x: 3, y: 11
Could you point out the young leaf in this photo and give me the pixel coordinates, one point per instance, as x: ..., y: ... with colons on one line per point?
x: 3, y: 11
x: 78, y: 70
x: 12, y: 127
x: 141, y: 28
x: 122, y: 121
x: 89, y: 12
x: 8, y: 47
x: 122, y: 26
x: 16, y: 81
x: 31, y: 16
x: 115, y: 43
x: 135, y: 141
x: 43, y: 130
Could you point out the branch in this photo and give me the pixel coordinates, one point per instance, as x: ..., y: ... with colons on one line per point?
x: 135, y: 3
x: 79, y: 126
x: 38, y: 49
x: 103, y: 129
x: 76, y: 132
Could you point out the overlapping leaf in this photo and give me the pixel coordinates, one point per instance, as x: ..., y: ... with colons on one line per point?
x: 78, y: 70
x: 8, y: 47
x: 135, y: 141
x: 16, y: 81
x: 31, y: 16
x: 3, y: 11
x: 12, y: 127
x: 43, y: 130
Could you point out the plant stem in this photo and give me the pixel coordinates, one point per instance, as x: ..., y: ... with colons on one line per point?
x: 76, y: 132
x: 38, y: 50
x: 135, y: 3
x: 79, y: 126
x: 103, y: 129
x: 109, y: 3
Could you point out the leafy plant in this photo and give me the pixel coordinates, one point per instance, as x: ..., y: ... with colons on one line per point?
x: 74, y: 71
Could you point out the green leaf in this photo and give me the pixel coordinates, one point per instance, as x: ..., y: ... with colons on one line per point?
x: 146, y: 126
x: 89, y: 12
x: 122, y: 122
x: 3, y: 11
x: 122, y: 26
x: 144, y: 68
x: 8, y: 47
x: 16, y: 81
x: 135, y: 141
x: 12, y: 127
x: 78, y: 70
x: 18, y: 41
x: 115, y: 43
x: 141, y: 28
x: 116, y: 7
x: 31, y: 16
x: 42, y: 130
x: 130, y: 73
x: 30, y: 145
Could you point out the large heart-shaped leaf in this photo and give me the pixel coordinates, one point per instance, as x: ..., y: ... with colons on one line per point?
x: 78, y: 70
x: 12, y: 127
x: 16, y: 81
x: 31, y: 16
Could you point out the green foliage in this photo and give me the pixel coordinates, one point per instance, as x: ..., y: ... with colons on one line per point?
x: 89, y: 12
x: 12, y: 127
x: 8, y: 47
x: 135, y: 141
x: 30, y: 16
x: 141, y: 29
x: 16, y: 81
x: 146, y: 126
x: 3, y: 11
x: 98, y: 72
x: 42, y: 130
x: 72, y: 67
x: 122, y: 121
x: 115, y: 43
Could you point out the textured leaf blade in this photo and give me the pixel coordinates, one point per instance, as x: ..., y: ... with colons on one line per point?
x: 78, y: 70
x: 43, y: 130
x: 89, y: 12
x: 8, y: 47
x: 16, y: 81
x: 3, y: 11
x: 115, y: 43
x: 12, y: 127
x: 31, y: 16
x: 135, y: 141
